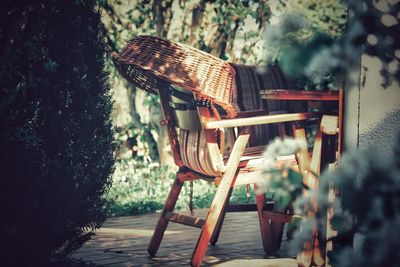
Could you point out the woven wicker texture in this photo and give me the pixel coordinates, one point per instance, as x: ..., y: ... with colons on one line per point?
x: 146, y: 59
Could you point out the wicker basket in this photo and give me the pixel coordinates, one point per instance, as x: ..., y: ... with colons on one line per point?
x: 148, y: 58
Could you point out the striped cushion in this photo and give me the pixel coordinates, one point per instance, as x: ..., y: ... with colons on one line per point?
x: 194, y: 152
x: 272, y: 77
x: 248, y: 84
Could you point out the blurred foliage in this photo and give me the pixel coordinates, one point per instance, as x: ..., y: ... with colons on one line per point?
x: 376, y: 27
x: 328, y: 17
x: 284, y: 185
x: 325, y: 57
x: 368, y: 209
x: 367, y: 213
x: 56, y: 134
x: 304, y: 29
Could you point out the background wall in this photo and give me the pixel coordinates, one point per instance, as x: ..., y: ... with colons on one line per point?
x: 372, y: 113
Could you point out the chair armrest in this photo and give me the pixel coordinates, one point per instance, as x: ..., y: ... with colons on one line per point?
x: 329, y: 124
x: 267, y: 119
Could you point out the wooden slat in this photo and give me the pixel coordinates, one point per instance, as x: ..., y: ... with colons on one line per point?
x: 304, y: 257
x: 312, y: 253
x: 279, y: 94
x: 277, y: 216
x: 302, y: 155
x: 184, y: 219
x: 267, y: 119
x: 212, y: 141
x: 214, y: 152
x: 317, y: 152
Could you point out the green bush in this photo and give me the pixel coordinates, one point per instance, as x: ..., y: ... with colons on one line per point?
x: 56, y: 134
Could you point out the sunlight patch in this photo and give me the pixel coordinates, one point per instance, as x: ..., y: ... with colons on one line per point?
x: 134, y: 232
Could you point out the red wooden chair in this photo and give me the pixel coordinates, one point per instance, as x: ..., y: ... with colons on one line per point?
x: 196, y: 93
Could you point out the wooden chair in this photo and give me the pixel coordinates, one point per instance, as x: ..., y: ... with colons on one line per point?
x: 196, y: 92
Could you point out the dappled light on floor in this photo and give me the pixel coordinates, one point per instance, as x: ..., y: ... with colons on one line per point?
x: 123, y: 241
x: 132, y: 232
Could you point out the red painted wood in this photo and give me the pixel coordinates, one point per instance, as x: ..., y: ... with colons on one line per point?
x: 163, y: 221
x: 279, y: 94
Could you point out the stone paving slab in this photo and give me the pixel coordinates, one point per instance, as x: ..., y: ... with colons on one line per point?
x: 122, y: 241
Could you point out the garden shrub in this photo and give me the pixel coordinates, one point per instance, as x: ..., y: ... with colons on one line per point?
x: 56, y: 138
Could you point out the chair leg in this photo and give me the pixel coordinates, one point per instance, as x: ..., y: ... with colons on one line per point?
x: 213, y: 217
x: 162, y: 221
x: 264, y: 224
x: 218, y: 227
x: 271, y: 232
x: 215, y: 213
x: 277, y: 235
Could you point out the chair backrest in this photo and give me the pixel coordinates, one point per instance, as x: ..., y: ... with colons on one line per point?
x: 145, y: 59
x: 249, y: 81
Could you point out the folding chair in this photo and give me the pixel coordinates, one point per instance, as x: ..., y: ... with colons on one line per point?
x: 196, y: 92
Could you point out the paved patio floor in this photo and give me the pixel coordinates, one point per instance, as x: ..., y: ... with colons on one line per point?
x: 122, y: 241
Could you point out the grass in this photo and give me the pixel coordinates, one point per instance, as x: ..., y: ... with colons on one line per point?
x: 140, y: 188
